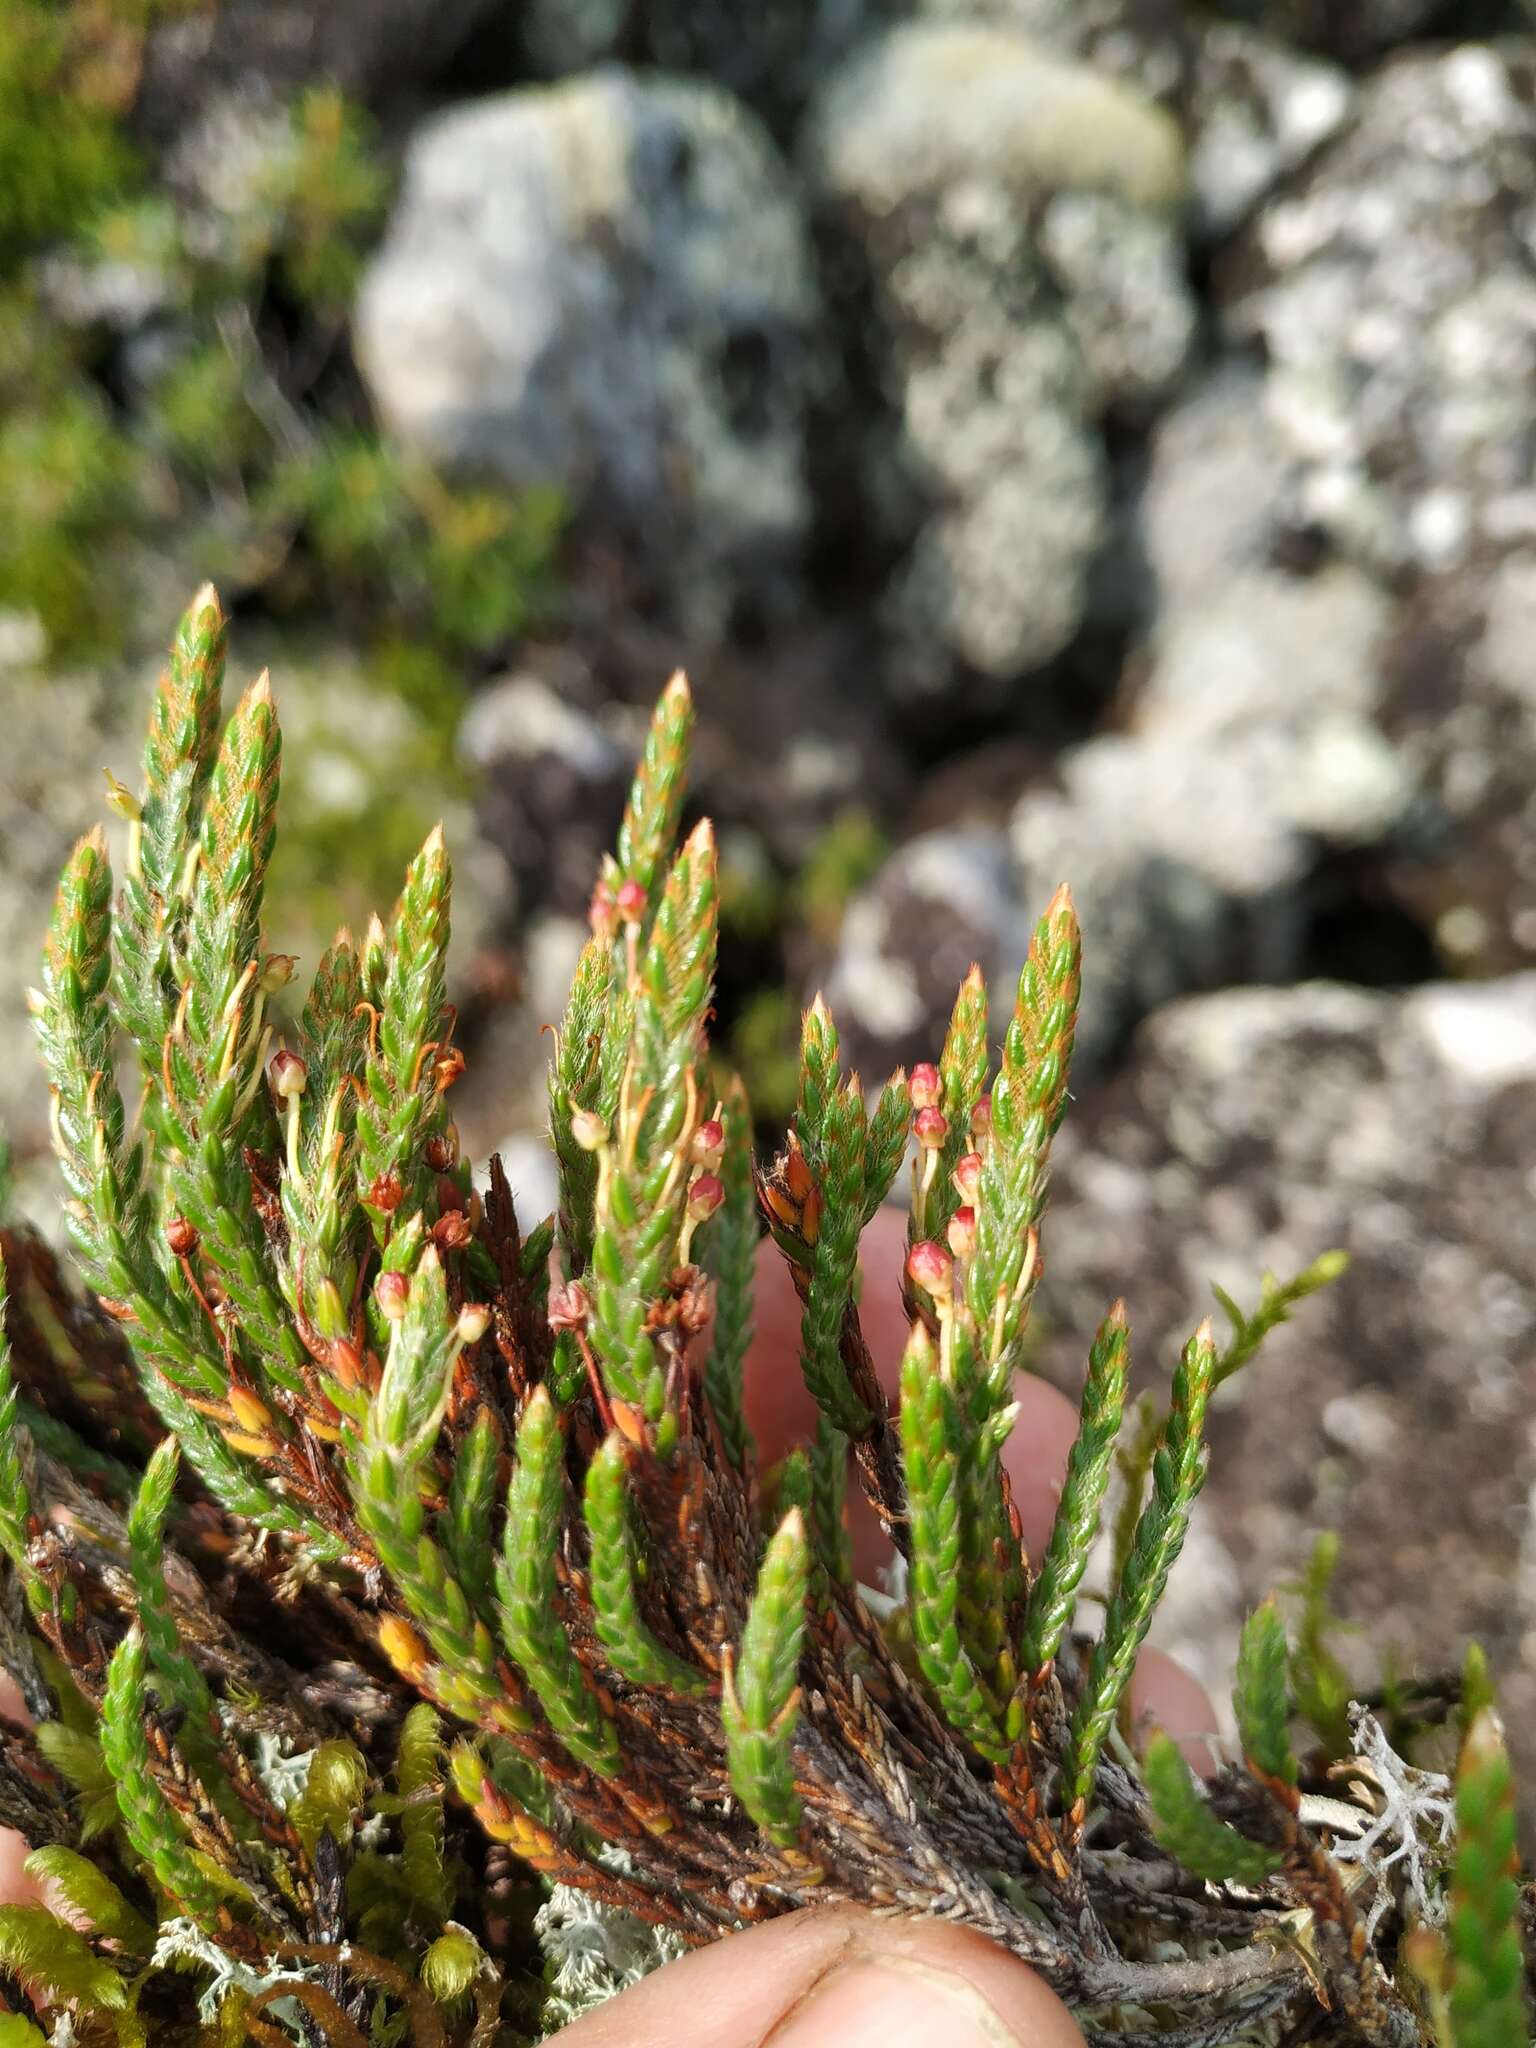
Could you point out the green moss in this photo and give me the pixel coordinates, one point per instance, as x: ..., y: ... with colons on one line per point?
x: 327, y: 193
x: 846, y: 856
x: 66, y: 480
x: 62, y: 152
x: 467, y: 569
x: 765, y: 1051
x: 321, y: 515
x: 374, y: 770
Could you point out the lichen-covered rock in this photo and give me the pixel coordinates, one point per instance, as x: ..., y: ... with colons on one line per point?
x: 1394, y: 293
x: 1194, y: 839
x: 1263, y: 1126
x: 1252, y: 753
x: 1460, y: 707
x: 1013, y: 218
x: 1251, y: 108
x: 924, y: 107
x: 553, y: 782
x: 1208, y: 508
x: 1254, y: 111
x: 606, y: 285
x: 944, y: 899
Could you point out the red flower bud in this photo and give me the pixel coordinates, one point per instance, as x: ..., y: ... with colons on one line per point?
x: 386, y: 1192
x: 287, y: 1074
x: 708, y: 1143
x: 981, y: 1116
x: 705, y: 1196
x: 931, y: 1267
x: 631, y: 902
x: 346, y: 1363
x: 392, y: 1291
x: 450, y: 1233
x: 927, y: 1089
x: 962, y: 1232
x: 931, y: 1128
x: 568, y: 1305
x: 967, y: 1177
x: 181, y: 1237
x: 442, y: 1150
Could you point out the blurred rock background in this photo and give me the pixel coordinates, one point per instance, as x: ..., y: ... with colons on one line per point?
x: 1063, y: 438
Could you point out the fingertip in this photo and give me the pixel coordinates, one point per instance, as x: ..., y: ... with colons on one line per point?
x: 837, y: 1978
x: 16, y: 1888
x: 1163, y: 1695
x: 1035, y: 1454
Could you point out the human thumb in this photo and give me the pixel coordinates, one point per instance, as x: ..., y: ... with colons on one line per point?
x: 836, y: 1978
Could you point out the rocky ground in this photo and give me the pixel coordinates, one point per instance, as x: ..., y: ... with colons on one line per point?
x: 1087, y: 441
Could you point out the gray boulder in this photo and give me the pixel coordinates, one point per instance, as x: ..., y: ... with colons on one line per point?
x: 606, y: 285
x: 1252, y: 108
x: 1189, y: 840
x: 1013, y: 216
x: 944, y: 899
x: 1460, y: 706
x: 1394, y: 293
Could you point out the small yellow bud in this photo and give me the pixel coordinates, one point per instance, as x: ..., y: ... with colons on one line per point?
x: 121, y: 799
x: 250, y: 1413
x: 451, y: 1964
x: 474, y: 1320
x: 403, y: 1647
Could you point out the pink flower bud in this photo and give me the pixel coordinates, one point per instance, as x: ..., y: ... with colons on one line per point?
x: 602, y: 912
x: 931, y: 1128
x: 568, y: 1305
x: 962, y: 1232
x: 927, y: 1089
x: 452, y: 1231
x: 931, y: 1267
x: 981, y: 1117
x: 967, y: 1177
x: 473, y: 1322
x: 588, y: 1129
x: 705, y: 1196
x: 708, y: 1146
x: 392, y: 1291
x: 287, y: 1075
x: 631, y: 902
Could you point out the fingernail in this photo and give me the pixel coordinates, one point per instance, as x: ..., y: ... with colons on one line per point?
x: 897, y: 2002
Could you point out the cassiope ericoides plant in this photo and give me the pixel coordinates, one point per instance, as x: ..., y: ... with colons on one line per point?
x: 377, y: 1560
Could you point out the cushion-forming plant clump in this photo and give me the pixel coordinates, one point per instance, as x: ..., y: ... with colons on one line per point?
x: 390, y: 1579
